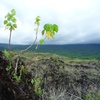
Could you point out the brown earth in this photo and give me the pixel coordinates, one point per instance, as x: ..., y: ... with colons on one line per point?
x: 59, y: 78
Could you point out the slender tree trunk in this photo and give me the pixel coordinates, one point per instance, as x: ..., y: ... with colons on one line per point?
x: 9, y: 41
x: 31, y: 44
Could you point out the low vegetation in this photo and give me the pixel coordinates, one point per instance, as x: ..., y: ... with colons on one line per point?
x: 43, y: 76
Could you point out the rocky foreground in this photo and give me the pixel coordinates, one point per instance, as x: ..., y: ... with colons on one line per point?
x: 49, y: 77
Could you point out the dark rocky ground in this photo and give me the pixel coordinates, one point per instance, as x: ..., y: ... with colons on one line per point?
x: 54, y: 78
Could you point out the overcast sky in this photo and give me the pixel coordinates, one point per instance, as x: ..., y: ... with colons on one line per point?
x: 78, y: 20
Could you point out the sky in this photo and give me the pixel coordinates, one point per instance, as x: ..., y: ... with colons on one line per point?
x: 78, y: 20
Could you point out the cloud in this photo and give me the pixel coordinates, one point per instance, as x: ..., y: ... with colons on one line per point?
x: 78, y: 20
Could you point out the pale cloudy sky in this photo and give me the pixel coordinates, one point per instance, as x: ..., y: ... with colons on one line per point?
x: 78, y: 20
